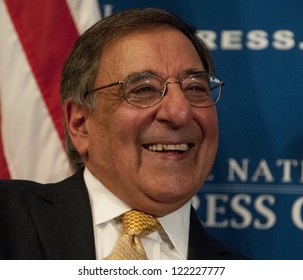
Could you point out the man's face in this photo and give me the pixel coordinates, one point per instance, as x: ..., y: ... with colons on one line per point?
x: 121, y: 137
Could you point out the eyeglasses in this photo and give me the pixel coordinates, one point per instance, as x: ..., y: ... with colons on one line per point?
x: 147, y: 89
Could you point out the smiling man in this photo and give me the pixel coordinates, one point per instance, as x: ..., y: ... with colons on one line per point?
x: 139, y: 93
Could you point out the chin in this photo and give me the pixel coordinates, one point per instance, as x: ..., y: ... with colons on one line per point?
x: 163, y: 209
x: 172, y: 192
x: 163, y: 203
x: 167, y: 196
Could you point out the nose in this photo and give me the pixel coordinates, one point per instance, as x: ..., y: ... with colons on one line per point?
x: 174, y: 108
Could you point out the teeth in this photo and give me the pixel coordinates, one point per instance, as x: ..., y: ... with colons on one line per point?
x: 169, y: 147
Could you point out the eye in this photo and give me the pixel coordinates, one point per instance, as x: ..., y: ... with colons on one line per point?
x: 143, y: 89
x: 142, y: 92
x: 197, y: 88
x: 147, y: 86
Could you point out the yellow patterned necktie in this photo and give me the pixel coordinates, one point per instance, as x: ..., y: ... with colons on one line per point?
x: 135, y: 226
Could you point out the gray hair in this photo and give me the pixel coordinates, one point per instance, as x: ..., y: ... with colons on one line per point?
x: 80, y: 69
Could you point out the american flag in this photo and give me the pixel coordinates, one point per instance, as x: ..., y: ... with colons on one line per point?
x: 36, y: 37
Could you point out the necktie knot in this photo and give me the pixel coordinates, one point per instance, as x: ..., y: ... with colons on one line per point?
x: 139, y: 224
x: 135, y: 225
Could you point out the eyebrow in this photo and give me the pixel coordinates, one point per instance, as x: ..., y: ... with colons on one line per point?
x: 149, y: 72
x: 193, y: 71
x: 142, y: 74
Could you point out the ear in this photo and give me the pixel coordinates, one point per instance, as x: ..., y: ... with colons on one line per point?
x: 75, y: 120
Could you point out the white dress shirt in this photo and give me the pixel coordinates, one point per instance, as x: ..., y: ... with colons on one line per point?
x: 171, y: 243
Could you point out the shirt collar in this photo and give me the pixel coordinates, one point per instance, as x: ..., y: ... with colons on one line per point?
x: 175, y: 224
x: 102, y: 200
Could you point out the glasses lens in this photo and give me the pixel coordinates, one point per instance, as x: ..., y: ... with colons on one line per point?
x: 143, y: 90
x: 202, y: 90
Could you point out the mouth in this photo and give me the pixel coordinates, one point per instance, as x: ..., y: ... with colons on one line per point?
x: 168, y: 148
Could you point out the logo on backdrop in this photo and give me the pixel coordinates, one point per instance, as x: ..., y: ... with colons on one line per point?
x: 233, y: 40
x: 256, y: 40
x: 249, y: 193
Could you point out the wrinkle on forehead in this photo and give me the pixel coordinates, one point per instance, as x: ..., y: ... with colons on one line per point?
x: 166, y: 51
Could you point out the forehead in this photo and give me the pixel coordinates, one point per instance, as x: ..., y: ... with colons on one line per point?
x: 166, y: 51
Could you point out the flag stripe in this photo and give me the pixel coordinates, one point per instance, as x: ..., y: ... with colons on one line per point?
x: 59, y: 34
x: 36, y: 37
x: 4, y: 172
x: 31, y: 144
x: 85, y: 13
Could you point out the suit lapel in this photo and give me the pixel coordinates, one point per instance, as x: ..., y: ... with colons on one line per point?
x: 200, y: 246
x: 62, y: 215
x: 203, y: 246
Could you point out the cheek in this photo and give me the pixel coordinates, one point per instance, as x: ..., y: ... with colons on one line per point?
x: 208, y: 122
x: 208, y: 149
x: 114, y: 137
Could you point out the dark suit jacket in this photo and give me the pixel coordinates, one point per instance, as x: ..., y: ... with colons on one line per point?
x: 54, y: 221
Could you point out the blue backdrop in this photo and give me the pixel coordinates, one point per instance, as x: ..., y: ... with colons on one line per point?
x: 253, y: 199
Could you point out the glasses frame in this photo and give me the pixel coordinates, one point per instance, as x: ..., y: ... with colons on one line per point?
x: 164, y: 89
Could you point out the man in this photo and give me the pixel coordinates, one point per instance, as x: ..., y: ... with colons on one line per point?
x: 139, y: 93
